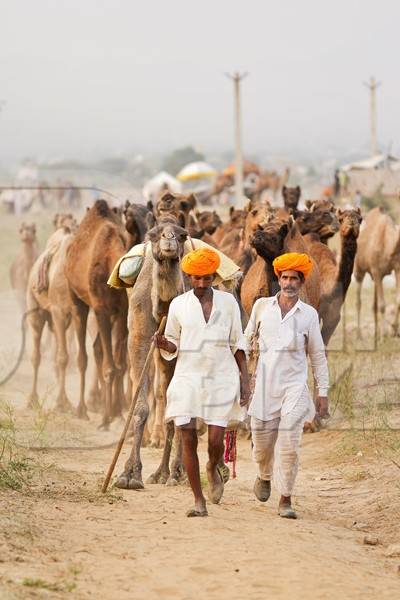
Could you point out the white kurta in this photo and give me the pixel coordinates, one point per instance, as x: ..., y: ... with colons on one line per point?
x: 281, y: 375
x: 206, y: 381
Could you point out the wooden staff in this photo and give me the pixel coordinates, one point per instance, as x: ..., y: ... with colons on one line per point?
x: 131, y: 409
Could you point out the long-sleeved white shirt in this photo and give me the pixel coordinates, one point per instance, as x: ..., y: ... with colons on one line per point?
x: 206, y: 380
x: 281, y: 374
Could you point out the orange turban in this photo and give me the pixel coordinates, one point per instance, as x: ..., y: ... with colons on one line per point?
x: 202, y: 261
x: 292, y: 261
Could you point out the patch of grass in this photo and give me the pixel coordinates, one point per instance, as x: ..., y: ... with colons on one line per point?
x: 62, y: 586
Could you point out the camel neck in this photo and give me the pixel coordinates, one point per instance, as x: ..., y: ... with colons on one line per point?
x: 272, y: 280
x: 29, y: 250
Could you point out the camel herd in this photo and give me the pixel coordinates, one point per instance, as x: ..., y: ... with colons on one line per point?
x: 67, y: 283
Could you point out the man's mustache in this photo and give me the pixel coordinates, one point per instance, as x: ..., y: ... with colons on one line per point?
x: 289, y: 289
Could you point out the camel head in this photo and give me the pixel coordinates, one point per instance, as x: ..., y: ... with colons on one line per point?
x: 65, y: 221
x: 268, y: 241
x: 208, y: 220
x: 177, y: 205
x: 138, y: 219
x: 257, y: 213
x: 319, y: 217
x: 291, y: 197
x: 237, y: 217
x: 350, y: 222
x: 27, y: 233
x: 167, y: 240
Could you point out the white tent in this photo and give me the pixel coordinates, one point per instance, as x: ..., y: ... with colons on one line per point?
x: 154, y: 185
x: 196, y: 170
x: 379, y: 161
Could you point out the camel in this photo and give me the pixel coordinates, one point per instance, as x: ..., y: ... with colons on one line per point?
x: 49, y: 300
x: 20, y: 268
x: 138, y: 219
x: 96, y: 247
x: 237, y: 219
x: 65, y: 220
x: 335, y: 274
x: 271, y: 181
x: 291, y: 198
x: 276, y: 238
x: 379, y: 255
x: 159, y: 281
x: 319, y: 218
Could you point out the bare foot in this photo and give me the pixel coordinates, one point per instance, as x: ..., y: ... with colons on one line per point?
x: 215, y: 484
x: 199, y: 510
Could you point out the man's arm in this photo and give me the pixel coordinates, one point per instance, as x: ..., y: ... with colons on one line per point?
x: 241, y: 361
x: 319, y: 366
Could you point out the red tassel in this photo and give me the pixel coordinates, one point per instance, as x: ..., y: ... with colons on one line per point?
x: 230, y: 450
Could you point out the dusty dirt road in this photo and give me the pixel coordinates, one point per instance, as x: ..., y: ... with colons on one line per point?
x: 64, y: 539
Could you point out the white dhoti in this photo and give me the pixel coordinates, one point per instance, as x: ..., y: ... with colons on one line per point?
x: 276, y: 445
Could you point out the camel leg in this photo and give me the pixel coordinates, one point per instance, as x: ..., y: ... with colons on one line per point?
x: 129, y: 387
x: 397, y: 300
x: 380, y: 304
x: 80, y: 315
x: 37, y: 321
x: 104, y: 324
x: 358, y: 302
x: 131, y: 477
x: 161, y: 475
x: 120, y: 352
x: 158, y: 429
x: 95, y: 401
x: 59, y: 323
x: 177, y: 469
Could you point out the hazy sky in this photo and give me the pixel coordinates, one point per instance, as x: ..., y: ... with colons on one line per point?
x: 90, y: 78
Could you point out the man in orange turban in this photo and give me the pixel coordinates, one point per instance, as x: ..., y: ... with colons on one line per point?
x: 200, y: 262
x: 204, y: 333
x: 288, y: 329
x: 293, y: 261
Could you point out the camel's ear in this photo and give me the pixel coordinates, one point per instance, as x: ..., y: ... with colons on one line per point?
x: 284, y: 230
x: 181, y: 219
x: 284, y: 190
x: 192, y: 201
x: 150, y: 220
x: 231, y: 210
x: 150, y: 205
x: 127, y: 204
x: 298, y: 190
x: 309, y: 204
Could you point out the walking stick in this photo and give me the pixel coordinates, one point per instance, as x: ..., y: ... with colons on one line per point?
x: 131, y: 409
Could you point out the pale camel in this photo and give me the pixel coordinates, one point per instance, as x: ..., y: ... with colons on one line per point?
x: 335, y: 274
x: 49, y: 300
x: 96, y: 247
x: 22, y: 264
x: 159, y: 281
x: 276, y: 238
x: 378, y: 254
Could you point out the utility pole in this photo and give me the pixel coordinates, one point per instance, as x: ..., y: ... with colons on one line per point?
x: 373, y: 85
x: 239, y: 195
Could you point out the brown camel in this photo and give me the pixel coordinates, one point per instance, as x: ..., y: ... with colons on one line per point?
x: 96, y: 247
x: 20, y: 268
x: 237, y: 219
x: 319, y: 218
x: 138, y: 219
x: 379, y: 255
x: 291, y: 198
x: 49, y: 300
x: 276, y: 238
x: 335, y: 274
x: 159, y: 281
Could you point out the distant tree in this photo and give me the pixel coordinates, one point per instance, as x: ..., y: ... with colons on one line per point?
x: 175, y: 161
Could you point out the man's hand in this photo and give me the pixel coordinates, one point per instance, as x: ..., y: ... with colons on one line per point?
x: 160, y: 341
x: 321, y: 407
x: 244, y: 392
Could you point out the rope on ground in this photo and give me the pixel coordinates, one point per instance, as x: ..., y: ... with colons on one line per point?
x: 22, y: 347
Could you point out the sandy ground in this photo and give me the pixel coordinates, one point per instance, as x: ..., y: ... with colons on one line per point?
x: 63, y: 536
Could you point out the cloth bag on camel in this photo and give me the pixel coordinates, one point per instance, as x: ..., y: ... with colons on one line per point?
x: 128, y: 267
